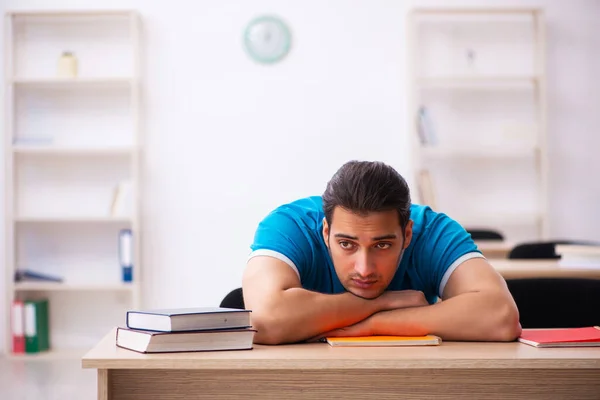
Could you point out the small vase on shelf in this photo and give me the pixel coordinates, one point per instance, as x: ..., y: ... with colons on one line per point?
x: 67, y: 65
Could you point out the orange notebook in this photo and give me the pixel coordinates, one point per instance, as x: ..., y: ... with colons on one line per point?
x: 568, y: 337
x: 384, y: 341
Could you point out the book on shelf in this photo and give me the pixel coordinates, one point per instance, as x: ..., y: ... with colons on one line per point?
x: 36, y: 325
x: 565, y: 337
x: 188, y: 319
x: 384, y: 341
x: 27, y: 275
x: 185, y: 341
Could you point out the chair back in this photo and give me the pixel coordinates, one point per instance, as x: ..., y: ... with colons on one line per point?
x: 233, y: 299
x: 541, y: 250
x: 556, y: 302
x: 485, y: 234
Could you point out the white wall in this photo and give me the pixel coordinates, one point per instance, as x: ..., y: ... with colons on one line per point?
x: 228, y: 140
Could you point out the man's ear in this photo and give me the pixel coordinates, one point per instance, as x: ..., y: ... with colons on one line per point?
x: 408, y: 233
x: 326, y: 232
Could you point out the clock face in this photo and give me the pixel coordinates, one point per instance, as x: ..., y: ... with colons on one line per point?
x: 267, y: 39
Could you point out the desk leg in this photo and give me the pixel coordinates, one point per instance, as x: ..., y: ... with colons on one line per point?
x: 103, y: 388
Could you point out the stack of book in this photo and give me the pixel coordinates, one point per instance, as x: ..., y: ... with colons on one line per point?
x: 186, y: 330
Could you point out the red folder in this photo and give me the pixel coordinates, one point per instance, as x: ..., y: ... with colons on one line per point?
x: 18, y: 327
x: 568, y: 337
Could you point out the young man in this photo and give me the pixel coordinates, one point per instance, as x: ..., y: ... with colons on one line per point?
x: 363, y: 260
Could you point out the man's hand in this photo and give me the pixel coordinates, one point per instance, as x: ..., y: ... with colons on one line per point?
x: 390, y: 300
x: 476, y: 306
x: 396, y: 299
x: 363, y: 328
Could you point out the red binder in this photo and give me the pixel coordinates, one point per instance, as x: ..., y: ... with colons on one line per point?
x: 18, y: 327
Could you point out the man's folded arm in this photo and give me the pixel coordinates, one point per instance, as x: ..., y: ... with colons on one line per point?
x: 284, y: 312
x: 476, y: 306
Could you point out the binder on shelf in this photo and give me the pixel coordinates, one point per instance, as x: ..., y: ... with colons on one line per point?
x: 126, y: 254
x: 425, y: 127
x: 17, y: 327
x: 37, y: 336
x: 27, y: 275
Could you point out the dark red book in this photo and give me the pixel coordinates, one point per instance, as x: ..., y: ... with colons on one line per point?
x: 567, y: 337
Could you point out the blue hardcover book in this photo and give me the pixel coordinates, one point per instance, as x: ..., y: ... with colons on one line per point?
x: 188, y: 319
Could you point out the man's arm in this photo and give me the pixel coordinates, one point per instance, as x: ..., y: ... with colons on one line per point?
x: 476, y: 306
x: 283, y: 312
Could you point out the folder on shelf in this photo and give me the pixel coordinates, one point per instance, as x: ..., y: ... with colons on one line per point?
x: 27, y: 275
x: 37, y: 336
x: 126, y: 254
x: 17, y: 327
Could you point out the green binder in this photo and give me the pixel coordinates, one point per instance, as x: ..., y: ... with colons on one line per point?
x: 37, y: 335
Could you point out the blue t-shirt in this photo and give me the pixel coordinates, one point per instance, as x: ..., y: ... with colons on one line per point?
x: 293, y: 234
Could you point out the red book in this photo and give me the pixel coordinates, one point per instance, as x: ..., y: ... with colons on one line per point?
x: 17, y: 326
x: 567, y: 337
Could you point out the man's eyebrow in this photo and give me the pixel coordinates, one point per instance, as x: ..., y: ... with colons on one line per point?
x: 343, y: 235
x: 383, y: 237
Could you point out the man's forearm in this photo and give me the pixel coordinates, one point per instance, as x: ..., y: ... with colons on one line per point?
x: 476, y: 316
x: 297, y: 314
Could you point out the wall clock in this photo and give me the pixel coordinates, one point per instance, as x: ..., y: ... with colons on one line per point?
x: 267, y: 39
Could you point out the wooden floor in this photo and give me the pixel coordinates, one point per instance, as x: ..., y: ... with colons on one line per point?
x: 46, y: 380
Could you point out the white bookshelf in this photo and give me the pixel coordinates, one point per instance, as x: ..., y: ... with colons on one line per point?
x: 72, y: 287
x: 479, y: 73
x: 75, y: 151
x: 70, y: 142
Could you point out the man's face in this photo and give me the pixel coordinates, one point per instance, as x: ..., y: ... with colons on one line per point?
x: 365, y: 249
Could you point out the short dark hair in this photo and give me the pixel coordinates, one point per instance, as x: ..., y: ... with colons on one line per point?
x: 367, y: 186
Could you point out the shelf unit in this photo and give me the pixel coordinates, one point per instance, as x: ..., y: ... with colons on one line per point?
x: 477, y: 116
x: 69, y: 143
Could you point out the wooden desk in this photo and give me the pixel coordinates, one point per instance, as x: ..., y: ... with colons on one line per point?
x: 514, y: 269
x: 310, y: 371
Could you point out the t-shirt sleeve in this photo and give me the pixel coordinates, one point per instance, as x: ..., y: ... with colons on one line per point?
x: 280, y: 235
x: 444, y: 245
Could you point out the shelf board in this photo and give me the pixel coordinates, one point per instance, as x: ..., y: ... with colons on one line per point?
x: 71, y: 13
x: 54, y: 354
x: 485, y: 81
x: 479, y: 152
x: 65, y: 151
x: 474, y: 10
x: 70, y: 82
x: 496, y: 219
x: 71, y: 287
x: 74, y: 219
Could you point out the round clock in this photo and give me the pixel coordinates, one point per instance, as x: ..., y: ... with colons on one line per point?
x: 267, y: 39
